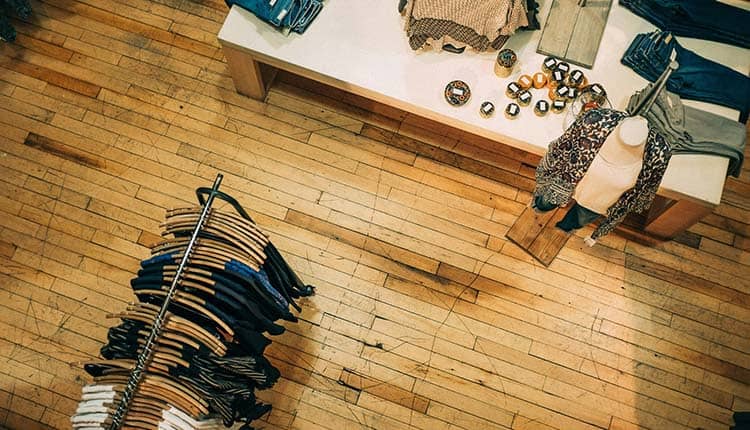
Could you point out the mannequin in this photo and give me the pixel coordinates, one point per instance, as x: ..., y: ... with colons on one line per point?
x: 615, y: 168
x: 630, y: 136
x: 635, y: 158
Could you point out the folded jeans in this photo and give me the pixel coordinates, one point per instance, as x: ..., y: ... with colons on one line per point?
x: 701, y: 19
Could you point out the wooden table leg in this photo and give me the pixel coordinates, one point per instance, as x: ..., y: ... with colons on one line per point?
x: 246, y: 73
x: 676, y: 218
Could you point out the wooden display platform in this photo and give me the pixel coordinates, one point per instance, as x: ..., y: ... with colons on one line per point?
x: 537, y: 234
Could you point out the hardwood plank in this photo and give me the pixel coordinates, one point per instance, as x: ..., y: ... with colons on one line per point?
x: 425, y: 316
x: 53, y: 77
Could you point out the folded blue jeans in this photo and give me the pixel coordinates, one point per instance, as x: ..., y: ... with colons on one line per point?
x: 700, y: 19
x: 293, y: 14
x: 696, y: 78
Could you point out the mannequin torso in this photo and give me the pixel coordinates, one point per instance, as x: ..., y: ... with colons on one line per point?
x: 624, y: 146
x: 615, y: 168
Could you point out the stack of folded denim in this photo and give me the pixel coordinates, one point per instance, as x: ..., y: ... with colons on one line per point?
x: 293, y: 15
x: 697, y: 78
x: 700, y: 19
x: 209, y: 359
x: 690, y: 130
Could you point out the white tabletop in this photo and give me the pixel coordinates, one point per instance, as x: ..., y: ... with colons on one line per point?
x: 360, y: 46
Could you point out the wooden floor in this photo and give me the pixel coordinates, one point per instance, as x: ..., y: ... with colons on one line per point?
x: 426, y: 317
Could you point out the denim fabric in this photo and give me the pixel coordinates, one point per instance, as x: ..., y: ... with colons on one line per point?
x: 237, y: 279
x: 700, y: 19
x: 690, y: 130
x: 696, y: 78
x: 293, y: 14
x: 274, y: 12
x: 243, y: 289
x: 577, y: 217
x: 262, y: 278
x: 226, y: 382
x: 540, y: 204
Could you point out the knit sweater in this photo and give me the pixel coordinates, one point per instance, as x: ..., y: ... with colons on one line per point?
x: 477, y: 23
x: 569, y: 157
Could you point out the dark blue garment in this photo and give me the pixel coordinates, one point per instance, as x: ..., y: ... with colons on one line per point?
x: 540, y: 204
x: 278, y: 13
x: 293, y: 14
x: 700, y: 19
x: 577, y: 217
x: 220, y: 306
x: 261, y: 277
x: 240, y: 280
x: 696, y: 78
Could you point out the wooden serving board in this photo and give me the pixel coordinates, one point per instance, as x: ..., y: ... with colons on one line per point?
x: 573, y: 32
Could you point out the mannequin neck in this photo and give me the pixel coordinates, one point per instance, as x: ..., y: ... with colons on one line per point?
x: 624, y: 146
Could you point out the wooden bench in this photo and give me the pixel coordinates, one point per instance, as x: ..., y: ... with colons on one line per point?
x: 359, y: 46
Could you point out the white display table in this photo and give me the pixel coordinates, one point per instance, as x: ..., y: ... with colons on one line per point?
x: 359, y: 46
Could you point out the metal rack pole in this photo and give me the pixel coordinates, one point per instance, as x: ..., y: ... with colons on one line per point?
x: 145, y: 356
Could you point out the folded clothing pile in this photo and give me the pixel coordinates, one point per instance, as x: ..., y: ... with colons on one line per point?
x: 209, y: 359
x: 293, y: 15
x: 481, y: 24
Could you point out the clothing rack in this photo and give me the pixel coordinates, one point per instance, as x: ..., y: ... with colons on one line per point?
x: 657, y: 88
x: 188, y: 353
x: 145, y: 356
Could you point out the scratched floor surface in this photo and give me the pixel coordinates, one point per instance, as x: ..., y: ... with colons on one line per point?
x: 426, y: 317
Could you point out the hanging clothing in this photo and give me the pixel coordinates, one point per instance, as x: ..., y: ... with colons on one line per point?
x: 477, y: 23
x: 570, y: 156
x: 209, y: 358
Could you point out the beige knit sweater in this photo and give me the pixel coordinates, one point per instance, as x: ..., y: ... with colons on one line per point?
x: 477, y: 23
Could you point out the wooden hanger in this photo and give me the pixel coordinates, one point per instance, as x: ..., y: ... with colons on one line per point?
x: 190, y: 301
x: 201, y: 332
x: 231, y: 217
x: 248, y: 245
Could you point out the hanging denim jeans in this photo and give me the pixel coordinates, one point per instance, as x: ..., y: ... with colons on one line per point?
x: 694, y: 131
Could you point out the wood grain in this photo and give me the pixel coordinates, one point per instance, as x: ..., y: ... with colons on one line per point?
x: 426, y: 316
